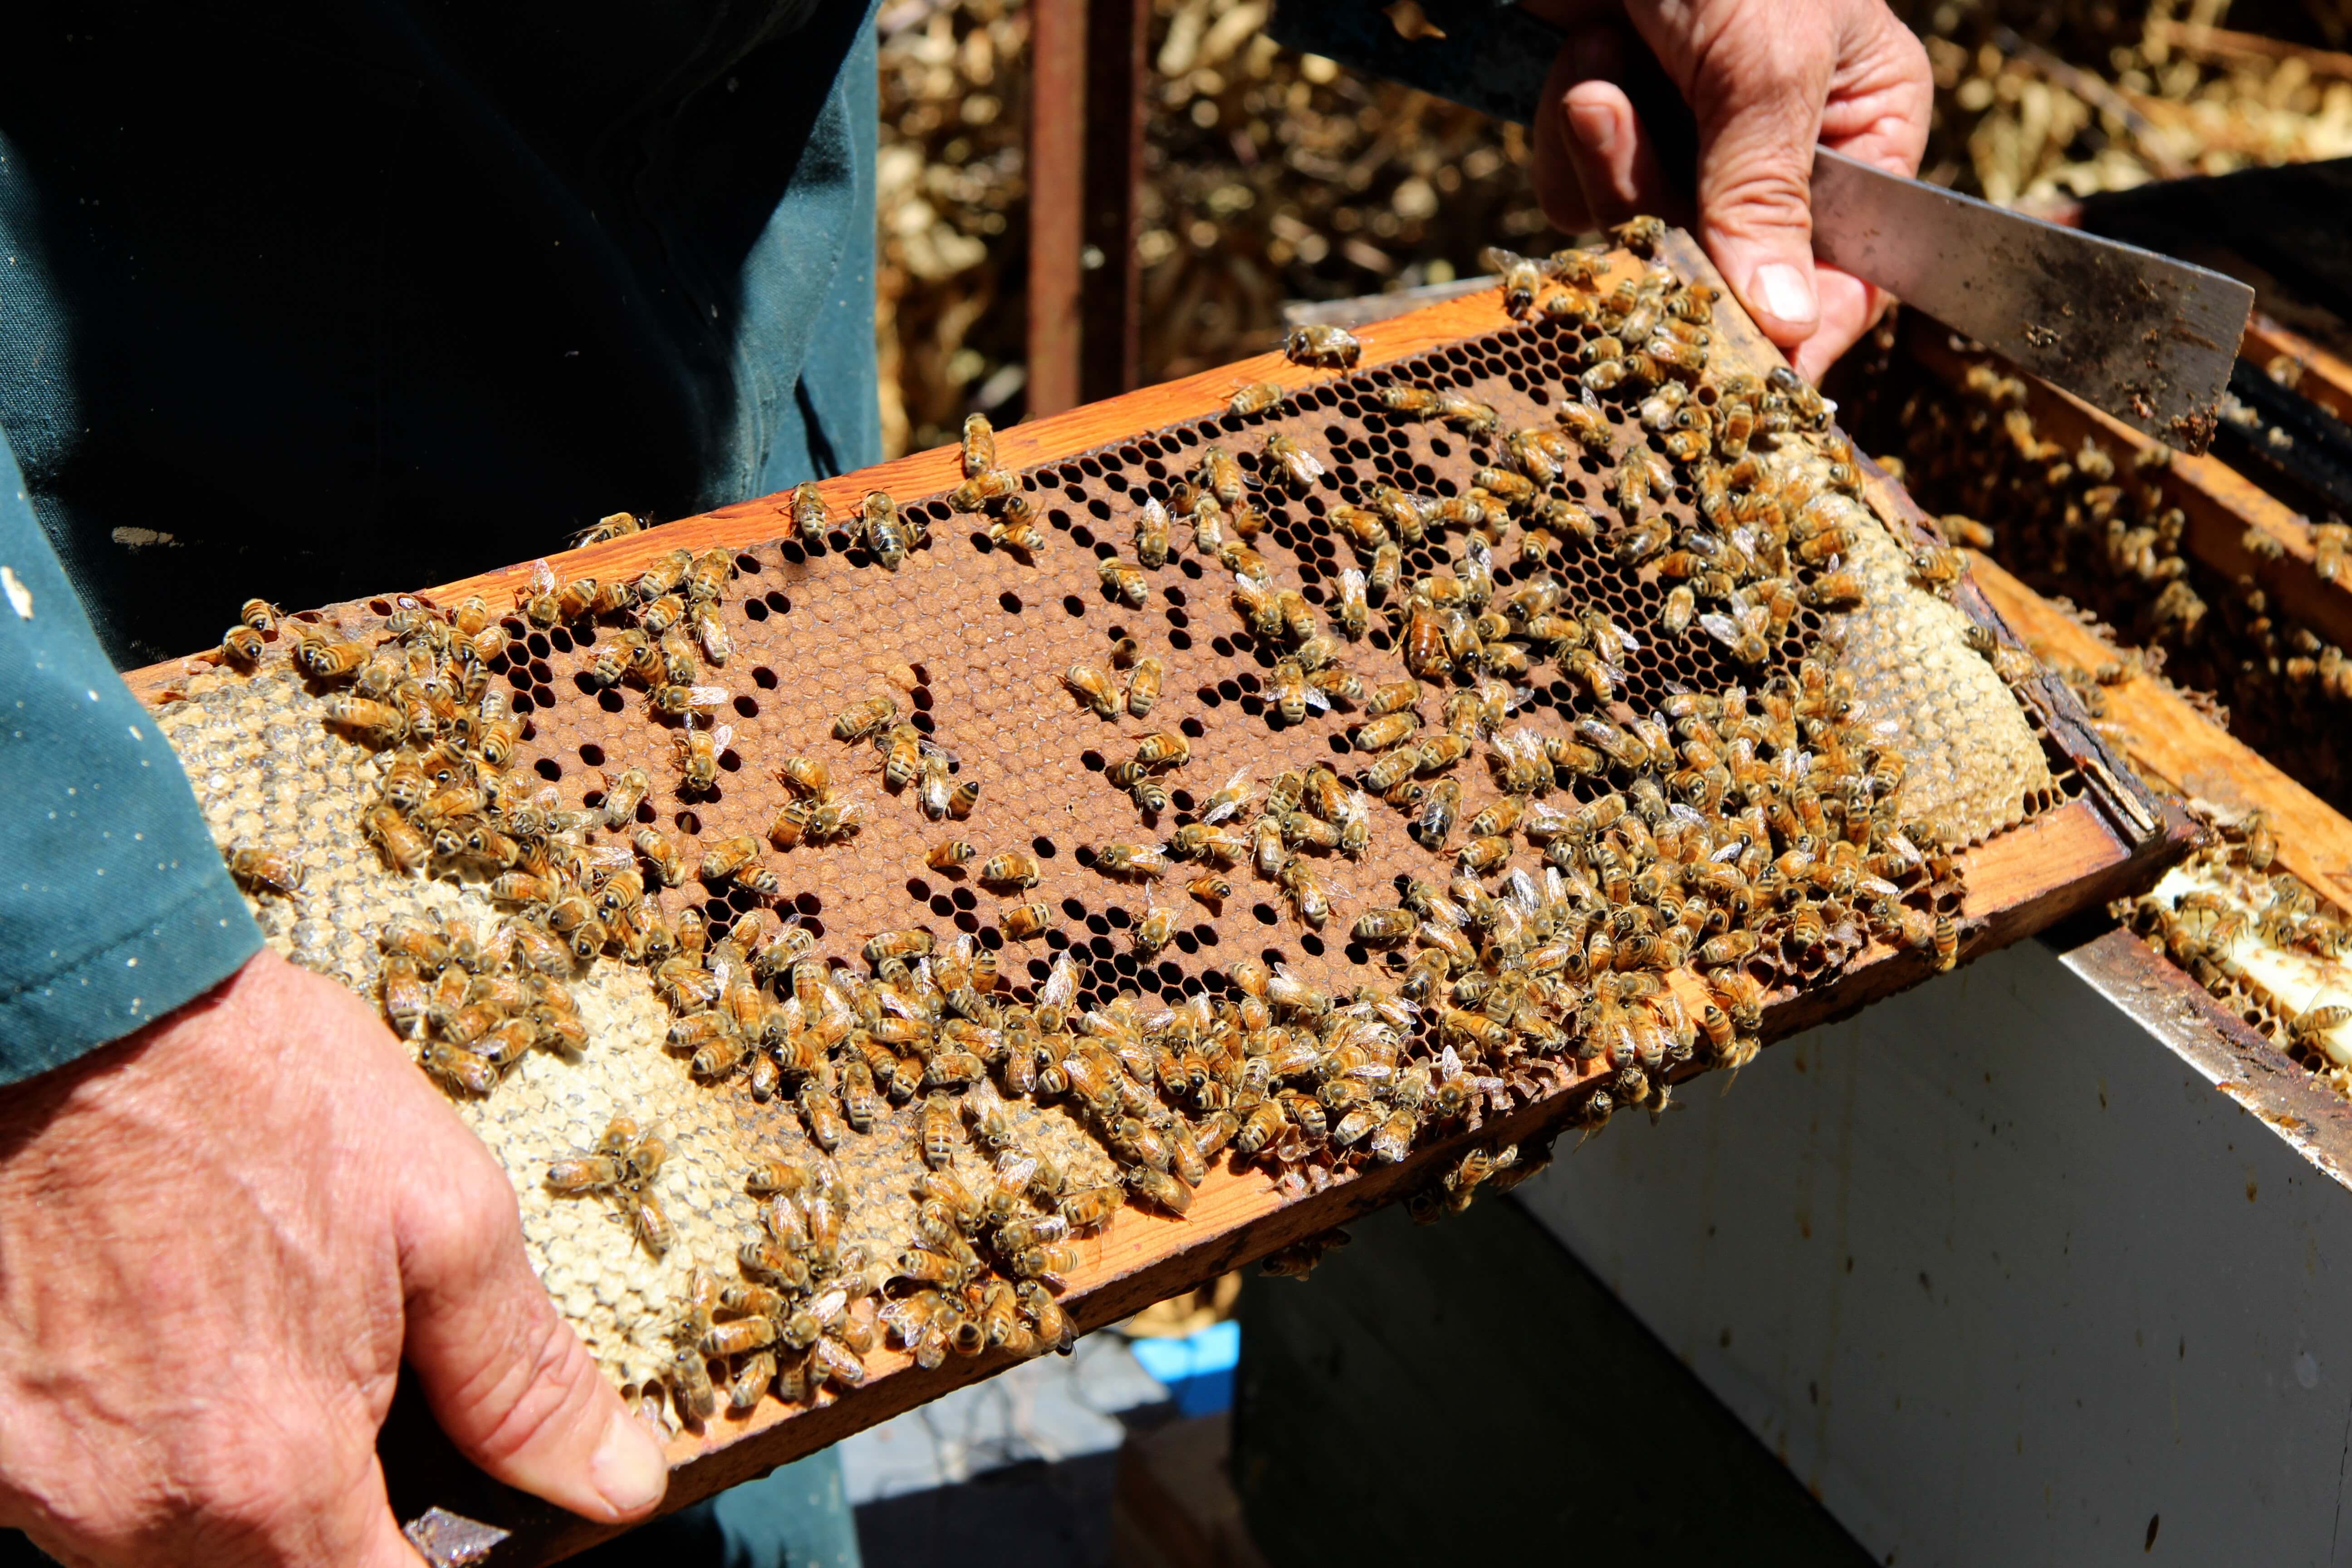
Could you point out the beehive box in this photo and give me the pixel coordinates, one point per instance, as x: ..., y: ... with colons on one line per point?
x: 2202, y: 621
x: 970, y: 642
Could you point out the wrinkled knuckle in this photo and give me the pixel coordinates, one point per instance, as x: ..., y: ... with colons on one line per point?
x: 533, y: 1396
x: 1757, y: 196
x: 484, y: 1217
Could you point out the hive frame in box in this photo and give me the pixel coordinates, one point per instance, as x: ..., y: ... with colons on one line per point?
x: 2111, y: 838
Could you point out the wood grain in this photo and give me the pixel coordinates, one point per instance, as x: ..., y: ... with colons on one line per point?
x: 2168, y: 739
x: 2325, y: 380
x: 2221, y: 504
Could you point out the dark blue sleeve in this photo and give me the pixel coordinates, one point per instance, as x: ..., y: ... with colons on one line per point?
x: 114, y: 906
x: 1488, y: 55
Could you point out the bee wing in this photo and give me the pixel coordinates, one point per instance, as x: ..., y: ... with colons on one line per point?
x: 1237, y: 791
x: 543, y: 576
x: 1722, y: 628
x: 1014, y: 1170
x: 721, y: 736
x: 1317, y: 700
x: 1061, y: 984
x: 1150, y: 858
x: 609, y: 857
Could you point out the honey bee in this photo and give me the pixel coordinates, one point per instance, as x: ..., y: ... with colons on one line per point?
x: 1153, y: 1184
x: 962, y: 799
x: 821, y: 1114
x: 1296, y: 467
x: 696, y: 753
x: 862, y: 1104
x: 657, y: 615
x: 942, y: 1131
x: 241, y: 644
x: 1163, y: 748
x: 1155, y: 931
x: 665, y: 576
x: 1936, y: 568
x: 865, y: 719
x: 1292, y: 696
x: 1309, y: 899
x: 728, y: 856
x: 1832, y: 591
x: 1467, y: 414
x: 1386, y: 928
x: 1011, y: 869
x: 1258, y: 397
x: 950, y: 855
x: 1743, y: 638
x: 1022, y: 921
x: 1133, y: 860
x: 978, y: 445
x: 1021, y: 536
x: 902, y: 749
x: 679, y: 702
x: 1143, y: 685
x: 1095, y: 688
x: 690, y: 1384
x: 979, y: 491
x: 324, y: 656
x: 1322, y: 347
x: 1221, y: 476
x: 1151, y: 535
x: 883, y: 532
x: 1363, y: 526
x: 1124, y: 582
x: 403, y: 847
x: 709, y: 577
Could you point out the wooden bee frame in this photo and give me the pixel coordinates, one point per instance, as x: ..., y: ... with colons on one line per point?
x: 2108, y: 836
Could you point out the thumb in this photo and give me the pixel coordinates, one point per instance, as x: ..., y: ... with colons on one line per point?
x: 1756, y: 93
x: 506, y: 1377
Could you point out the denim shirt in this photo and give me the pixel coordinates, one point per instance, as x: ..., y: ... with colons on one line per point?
x: 313, y: 302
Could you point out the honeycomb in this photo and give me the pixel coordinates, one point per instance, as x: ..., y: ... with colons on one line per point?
x: 971, y: 642
x: 2261, y: 941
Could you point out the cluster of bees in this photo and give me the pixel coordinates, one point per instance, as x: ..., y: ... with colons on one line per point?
x: 1737, y: 831
x: 424, y: 697
x: 2207, y: 930
x: 1737, y: 834
x: 2078, y: 522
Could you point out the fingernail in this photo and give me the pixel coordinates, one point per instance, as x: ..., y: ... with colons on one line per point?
x: 1783, y: 291
x: 628, y: 1470
x: 1594, y: 126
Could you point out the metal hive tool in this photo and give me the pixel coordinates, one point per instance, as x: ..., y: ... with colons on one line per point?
x: 973, y: 642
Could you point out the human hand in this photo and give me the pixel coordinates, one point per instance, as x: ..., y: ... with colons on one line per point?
x: 217, y: 1237
x: 1765, y: 80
